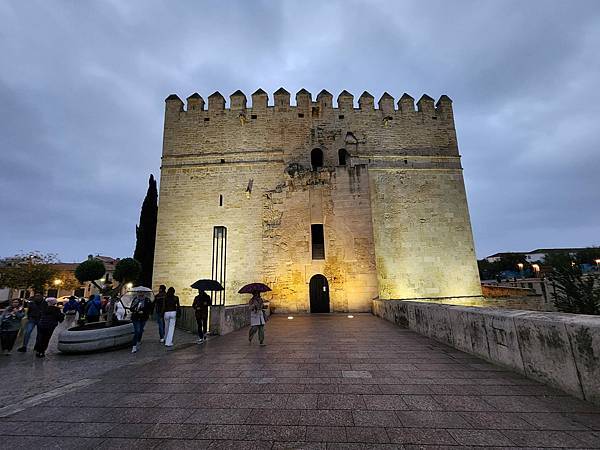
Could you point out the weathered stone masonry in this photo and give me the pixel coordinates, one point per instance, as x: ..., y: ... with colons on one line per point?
x: 395, y: 216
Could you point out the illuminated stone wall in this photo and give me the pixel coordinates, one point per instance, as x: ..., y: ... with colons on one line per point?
x: 395, y: 216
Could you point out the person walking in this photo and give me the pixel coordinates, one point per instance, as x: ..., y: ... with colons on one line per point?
x: 257, y: 318
x: 51, y: 317
x: 200, y: 306
x: 141, y: 308
x: 93, y: 308
x: 10, y: 323
x: 34, y: 313
x: 70, y: 310
x: 159, y: 311
x: 171, y: 308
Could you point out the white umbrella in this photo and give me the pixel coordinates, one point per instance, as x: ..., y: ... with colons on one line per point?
x: 140, y: 289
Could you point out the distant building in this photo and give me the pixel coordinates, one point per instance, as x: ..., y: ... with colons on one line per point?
x: 84, y: 290
x: 534, y: 255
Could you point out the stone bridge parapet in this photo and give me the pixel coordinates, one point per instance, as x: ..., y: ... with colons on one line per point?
x: 561, y: 350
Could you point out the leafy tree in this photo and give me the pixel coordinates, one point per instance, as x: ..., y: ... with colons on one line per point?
x: 146, y: 234
x: 575, y: 292
x: 33, y: 270
x: 67, y: 280
x: 511, y: 261
x: 126, y: 271
x: 91, y: 270
x: 588, y: 255
x: 558, y: 260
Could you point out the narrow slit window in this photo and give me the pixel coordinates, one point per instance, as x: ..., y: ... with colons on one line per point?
x: 221, y: 200
x: 318, y: 241
x: 342, y: 155
x: 316, y: 158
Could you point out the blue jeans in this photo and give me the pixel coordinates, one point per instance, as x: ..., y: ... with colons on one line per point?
x: 138, y: 330
x: 31, y: 324
x: 160, y: 320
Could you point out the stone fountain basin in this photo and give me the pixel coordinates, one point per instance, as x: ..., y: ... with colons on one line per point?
x: 94, y: 337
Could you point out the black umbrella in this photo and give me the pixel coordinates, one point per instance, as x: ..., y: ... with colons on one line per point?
x: 254, y: 287
x: 207, y: 285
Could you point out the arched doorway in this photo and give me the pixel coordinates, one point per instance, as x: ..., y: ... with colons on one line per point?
x: 319, y: 294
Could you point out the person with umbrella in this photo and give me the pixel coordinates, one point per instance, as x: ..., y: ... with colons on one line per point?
x: 201, y: 303
x: 257, y: 313
x: 200, y: 306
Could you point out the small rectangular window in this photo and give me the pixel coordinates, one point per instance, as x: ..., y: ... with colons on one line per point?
x: 207, y: 119
x: 341, y: 116
x: 301, y: 115
x: 253, y: 116
x: 318, y: 241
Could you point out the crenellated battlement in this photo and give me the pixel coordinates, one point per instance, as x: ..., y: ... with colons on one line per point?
x: 322, y: 105
x: 390, y: 126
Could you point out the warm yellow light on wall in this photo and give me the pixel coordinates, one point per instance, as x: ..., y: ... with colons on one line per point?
x: 290, y: 317
x: 129, y: 285
x: 57, y: 282
x: 350, y: 316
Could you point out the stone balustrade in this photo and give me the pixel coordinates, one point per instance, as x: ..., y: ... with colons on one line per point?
x: 561, y: 350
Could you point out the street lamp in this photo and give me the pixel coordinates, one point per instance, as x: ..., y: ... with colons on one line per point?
x: 536, y: 269
x: 57, y: 283
x: 597, y: 261
x: 520, y: 266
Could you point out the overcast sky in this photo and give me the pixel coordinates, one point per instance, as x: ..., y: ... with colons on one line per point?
x: 82, y: 88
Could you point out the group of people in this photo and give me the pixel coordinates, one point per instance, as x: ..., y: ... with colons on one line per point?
x: 43, y: 314
x: 166, y: 308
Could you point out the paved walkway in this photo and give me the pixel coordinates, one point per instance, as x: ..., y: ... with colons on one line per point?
x: 322, y: 382
x: 34, y: 376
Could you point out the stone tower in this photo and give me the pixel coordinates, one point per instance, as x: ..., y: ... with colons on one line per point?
x: 331, y: 207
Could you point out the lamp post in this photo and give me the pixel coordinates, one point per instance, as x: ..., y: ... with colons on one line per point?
x: 520, y: 266
x: 536, y: 269
x: 57, y: 283
x: 597, y: 261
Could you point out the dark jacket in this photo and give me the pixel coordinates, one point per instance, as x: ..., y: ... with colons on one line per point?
x: 171, y: 303
x: 10, y: 320
x: 51, y: 317
x: 35, y: 309
x: 140, y: 308
x: 201, y: 304
x: 72, y: 306
x: 159, y: 303
x: 93, y: 307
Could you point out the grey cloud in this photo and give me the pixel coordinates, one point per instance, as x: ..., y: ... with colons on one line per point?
x: 83, y: 84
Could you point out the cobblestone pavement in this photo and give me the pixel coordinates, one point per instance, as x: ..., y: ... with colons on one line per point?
x: 33, y: 376
x: 322, y: 382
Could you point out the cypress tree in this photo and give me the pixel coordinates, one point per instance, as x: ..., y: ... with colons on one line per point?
x: 146, y: 234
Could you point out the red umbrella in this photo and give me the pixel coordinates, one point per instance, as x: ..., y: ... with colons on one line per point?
x: 254, y: 287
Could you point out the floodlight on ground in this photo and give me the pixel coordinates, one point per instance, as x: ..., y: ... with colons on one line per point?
x: 290, y: 317
x: 350, y: 316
